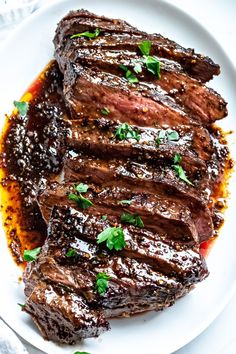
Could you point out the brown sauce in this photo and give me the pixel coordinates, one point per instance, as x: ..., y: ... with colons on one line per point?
x: 33, y: 148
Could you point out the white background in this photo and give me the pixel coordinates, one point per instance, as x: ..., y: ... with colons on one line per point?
x: 219, y: 17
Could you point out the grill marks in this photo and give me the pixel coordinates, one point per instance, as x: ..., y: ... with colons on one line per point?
x: 160, y: 261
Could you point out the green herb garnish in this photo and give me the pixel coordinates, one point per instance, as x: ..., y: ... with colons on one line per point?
x: 177, y: 159
x: 82, y: 202
x: 125, y: 202
x: 152, y: 64
x: 137, y: 68
x: 71, y: 253
x: 104, y: 217
x: 87, y: 34
x: 102, y: 282
x: 145, y: 47
x: 31, y: 255
x: 21, y: 305
x: 81, y: 353
x: 105, y: 111
x: 124, y: 131
x: 22, y: 107
x: 129, y: 75
x: 179, y: 169
x: 132, y: 219
x: 114, y: 237
x: 167, y: 135
x: 81, y: 188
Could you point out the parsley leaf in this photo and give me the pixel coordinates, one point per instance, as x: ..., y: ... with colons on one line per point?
x: 105, y: 111
x: 145, y: 47
x: 82, y: 202
x: 81, y: 188
x: 177, y: 158
x: 22, y: 107
x: 21, y: 305
x: 172, y: 135
x: 153, y: 65
x: 179, y: 169
x: 31, y: 255
x: 102, y: 282
x: 104, y: 217
x: 125, y: 202
x: 71, y: 253
x: 87, y: 34
x: 168, y: 135
x: 137, y: 68
x: 132, y: 219
x: 114, y: 237
x: 182, y: 174
x: 129, y: 75
x: 124, y: 131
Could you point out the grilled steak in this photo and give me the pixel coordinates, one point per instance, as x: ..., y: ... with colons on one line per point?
x: 128, y: 38
x: 132, y: 198
x: 135, y: 282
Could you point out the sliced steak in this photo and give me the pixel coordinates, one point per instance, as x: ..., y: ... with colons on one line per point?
x: 63, y: 316
x: 158, y: 214
x: 118, y: 34
x: 201, y: 101
x: 99, y: 138
x: 146, y: 247
x: 138, y: 177
x: 88, y: 91
x: 61, y: 291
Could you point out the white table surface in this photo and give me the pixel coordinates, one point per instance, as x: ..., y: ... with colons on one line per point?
x: 219, y: 17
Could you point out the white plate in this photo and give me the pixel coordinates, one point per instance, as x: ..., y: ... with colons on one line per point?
x: 22, y: 57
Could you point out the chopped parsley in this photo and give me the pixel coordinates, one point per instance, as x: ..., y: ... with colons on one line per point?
x: 105, y: 111
x: 137, y: 68
x: 132, y: 219
x: 124, y: 131
x: 114, y: 238
x: 167, y: 135
x: 21, y: 305
x: 22, y: 107
x: 31, y: 255
x: 145, y: 47
x: 125, y: 202
x: 102, y: 282
x: 129, y: 75
x: 152, y: 64
x: 104, y: 217
x: 81, y: 188
x: 87, y: 34
x: 81, y: 201
x: 179, y: 169
x: 71, y: 253
x: 177, y: 159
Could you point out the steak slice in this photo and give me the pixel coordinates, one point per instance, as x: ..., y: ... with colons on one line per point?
x: 63, y: 316
x: 160, y: 215
x: 88, y: 91
x: 171, y: 259
x: 201, y: 101
x: 118, y: 34
x: 138, y: 177
x: 98, y: 137
x: 61, y: 291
